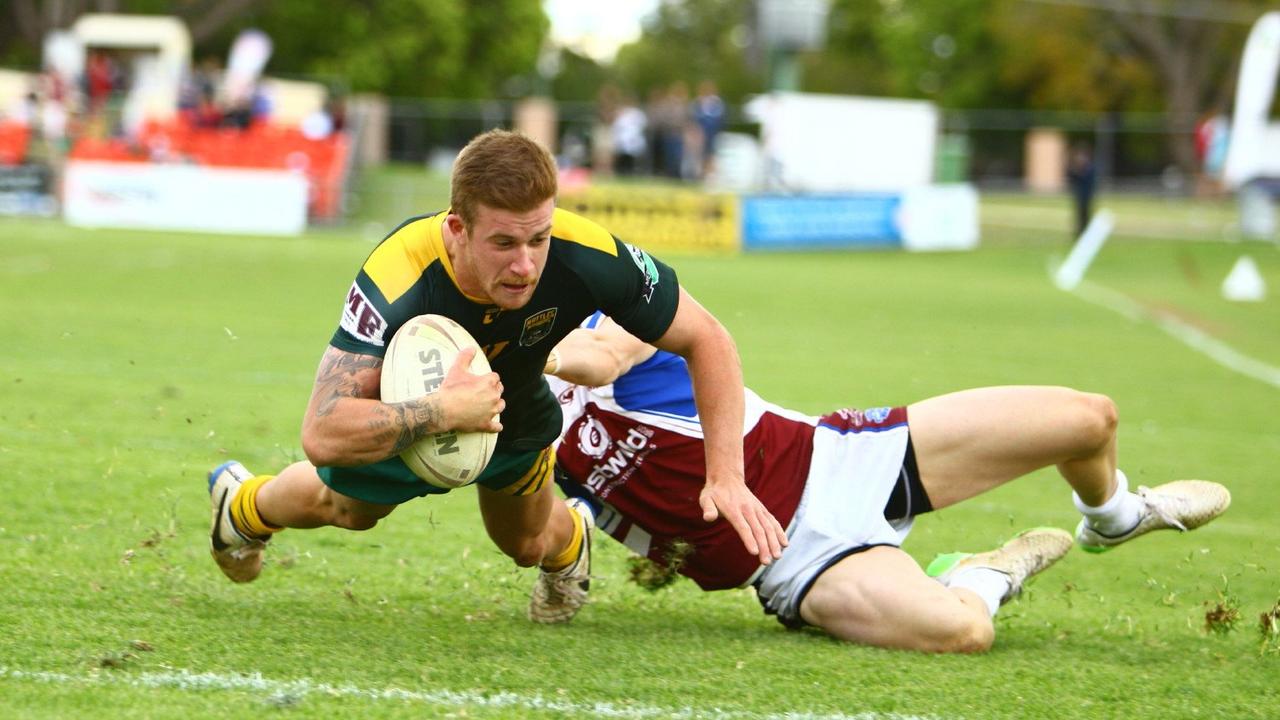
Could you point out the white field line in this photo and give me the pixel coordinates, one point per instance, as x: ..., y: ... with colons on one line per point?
x: 1191, y: 336
x: 290, y: 691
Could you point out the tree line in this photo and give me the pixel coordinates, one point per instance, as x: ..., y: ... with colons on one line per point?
x: 1177, y: 58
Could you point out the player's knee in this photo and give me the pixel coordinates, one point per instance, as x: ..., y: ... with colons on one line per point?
x: 351, y: 514
x: 356, y: 521
x: 1099, y: 419
x: 526, y: 552
x: 973, y: 636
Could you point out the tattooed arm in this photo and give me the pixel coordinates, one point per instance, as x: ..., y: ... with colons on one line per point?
x: 346, y: 423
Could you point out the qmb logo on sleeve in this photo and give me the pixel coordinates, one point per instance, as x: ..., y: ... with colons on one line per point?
x: 362, y: 319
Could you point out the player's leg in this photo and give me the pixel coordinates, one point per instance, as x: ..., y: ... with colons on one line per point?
x: 518, y: 504
x: 528, y: 528
x: 248, y: 509
x: 298, y: 498
x: 527, y: 521
x: 881, y: 597
x: 971, y: 441
x: 541, y: 530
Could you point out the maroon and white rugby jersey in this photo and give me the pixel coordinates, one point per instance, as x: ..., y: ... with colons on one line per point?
x: 636, y: 447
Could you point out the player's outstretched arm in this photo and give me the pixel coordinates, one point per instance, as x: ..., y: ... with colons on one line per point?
x: 718, y: 392
x: 346, y: 424
x: 597, y: 356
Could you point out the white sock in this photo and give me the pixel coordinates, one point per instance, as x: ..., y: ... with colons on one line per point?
x: 1120, y: 513
x: 990, y: 585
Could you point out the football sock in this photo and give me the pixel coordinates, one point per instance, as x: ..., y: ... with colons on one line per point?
x: 570, y: 553
x: 244, y: 509
x: 1119, y: 514
x: 990, y: 585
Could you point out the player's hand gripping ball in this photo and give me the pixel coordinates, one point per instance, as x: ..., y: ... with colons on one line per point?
x: 417, y: 360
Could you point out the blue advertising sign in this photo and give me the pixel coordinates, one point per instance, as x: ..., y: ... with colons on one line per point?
x: 785, y: 222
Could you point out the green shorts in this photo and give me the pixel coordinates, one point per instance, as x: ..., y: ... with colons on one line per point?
x: 391, y: 482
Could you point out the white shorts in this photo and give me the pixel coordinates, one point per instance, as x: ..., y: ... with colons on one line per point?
x: 841, y: 512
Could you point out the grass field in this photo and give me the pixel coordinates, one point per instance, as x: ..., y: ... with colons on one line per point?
x: 136, y: 361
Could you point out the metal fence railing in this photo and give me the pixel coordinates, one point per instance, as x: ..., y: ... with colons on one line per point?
x: 1132, y: 150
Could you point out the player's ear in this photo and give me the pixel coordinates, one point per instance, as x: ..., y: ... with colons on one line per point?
x: 456, y: 226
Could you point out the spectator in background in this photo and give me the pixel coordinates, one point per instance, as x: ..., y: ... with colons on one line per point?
x: 608, y: 101
x: 57, y: 99
x: 679, y: 123
x: 261, y: 105
x: 668, y: 112
x: 629, y: 145
x: 653, y: 110
x: 23, y: 111
x: 1211, y: 150
x: 708, y: 115
x: 199, y: 85
x: 100, y: 80
x: 1082, y: 176
x: 239, y: 115
x: 207, y: 113
x: 337, y: 108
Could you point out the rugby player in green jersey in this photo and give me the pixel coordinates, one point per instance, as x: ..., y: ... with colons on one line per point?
x: 519, y: 275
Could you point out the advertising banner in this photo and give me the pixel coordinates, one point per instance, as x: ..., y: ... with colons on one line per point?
x: 185, y: 197
x: 783, y: 222
x: 660, y: 220
x: 938, y: 217
x: 25, y: 190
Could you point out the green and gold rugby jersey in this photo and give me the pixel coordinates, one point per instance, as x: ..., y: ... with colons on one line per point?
x: 588, y: 269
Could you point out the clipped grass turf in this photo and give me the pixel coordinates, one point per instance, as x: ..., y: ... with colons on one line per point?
x: 136, y: 361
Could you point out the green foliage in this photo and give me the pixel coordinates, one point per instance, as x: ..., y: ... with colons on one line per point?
x: 978, y: 53
x: 1083, y: 65
x: 943, y: 50
x: 692, y: 41
x: 580, y: 78
x: 417, y: 48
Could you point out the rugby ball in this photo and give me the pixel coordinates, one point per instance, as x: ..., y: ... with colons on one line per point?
x: 417, y: 360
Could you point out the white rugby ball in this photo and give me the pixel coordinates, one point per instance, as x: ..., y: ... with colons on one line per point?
x: 417, y: 359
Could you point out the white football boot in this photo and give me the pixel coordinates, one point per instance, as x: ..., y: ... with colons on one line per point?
x: 239, y: 555
x: 1181, y: 504
x: 558, y: 596
x: 1028, y: 553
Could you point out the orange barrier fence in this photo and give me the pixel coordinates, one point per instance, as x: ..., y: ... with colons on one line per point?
x: 262, y: 146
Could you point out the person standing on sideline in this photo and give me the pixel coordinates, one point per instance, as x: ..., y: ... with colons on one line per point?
x: 1082, y: 177
x: 628, y: 137
x: 519, y: 275
x: 708, y: 114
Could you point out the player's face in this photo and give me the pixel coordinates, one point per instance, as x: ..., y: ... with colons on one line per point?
x: 503, y: 254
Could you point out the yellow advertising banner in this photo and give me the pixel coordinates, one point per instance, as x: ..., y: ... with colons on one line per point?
x: 661, y: 220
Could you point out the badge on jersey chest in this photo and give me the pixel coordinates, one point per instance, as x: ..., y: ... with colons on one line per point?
x: 537, y: 327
